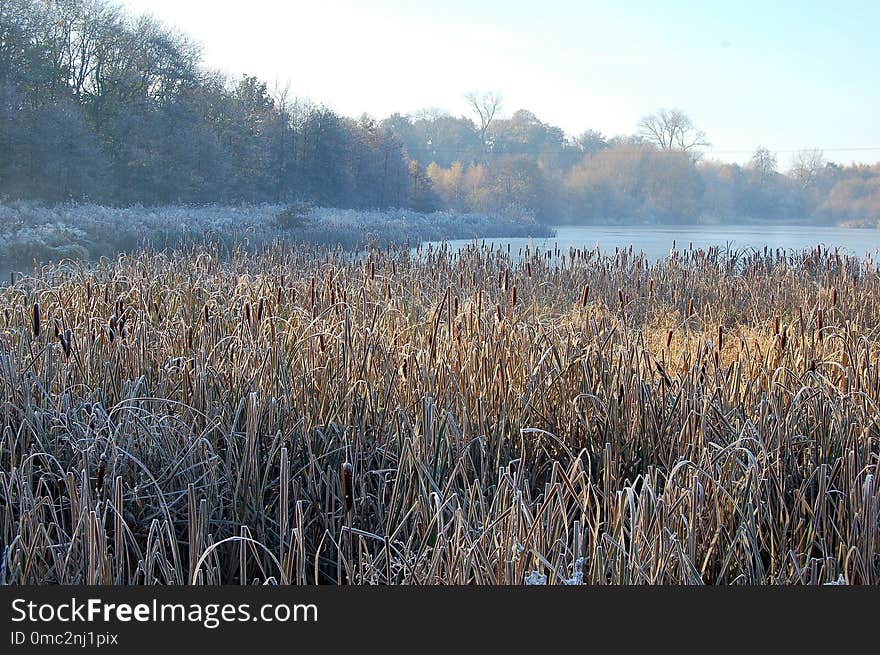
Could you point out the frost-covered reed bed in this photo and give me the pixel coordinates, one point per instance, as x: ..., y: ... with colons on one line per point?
x: 302, y: 416
x: 31, y: 232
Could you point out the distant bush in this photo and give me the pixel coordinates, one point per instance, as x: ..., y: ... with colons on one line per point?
x: 294, y: 216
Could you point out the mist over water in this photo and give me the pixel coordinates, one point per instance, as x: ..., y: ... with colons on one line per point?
x: 657, y: 240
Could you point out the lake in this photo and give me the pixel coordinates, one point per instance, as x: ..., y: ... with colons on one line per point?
x: 656, y: 240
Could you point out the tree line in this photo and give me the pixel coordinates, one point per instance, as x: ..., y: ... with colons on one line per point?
x: 96, y: 104
x: 99, y: 105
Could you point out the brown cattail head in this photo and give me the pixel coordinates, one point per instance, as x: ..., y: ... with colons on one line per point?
x: 668, y: 338
x: 99, y: 476
x: 347, y: 487
x: 513, y: 296
x: 260, y: 309
x: 775, y: 325
x: 690, y: 307
x: 819, y: 323
x: 834, y: 296
x: 586, y: 295
x: 36, y: 322
x: 65, y: 338
x: 620, y: 296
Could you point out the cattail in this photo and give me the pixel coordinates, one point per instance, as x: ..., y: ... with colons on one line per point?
x: 650, y: 286
x: 834, y: 296
x: 585, y: 295
x: 347, y: 487
x: 64, y: 338
x: 528, y: 269
x: 668, y: 338
x: 775, y: 325
x: 99, y: 477
x: 498, y: 311
x: 36, y: 319
x: 620, y: 297
x: 690, y: 307
x: 260, y: 308
x: 513, y: 296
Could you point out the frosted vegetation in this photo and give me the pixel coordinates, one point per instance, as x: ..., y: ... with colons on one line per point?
x: 32, y: 233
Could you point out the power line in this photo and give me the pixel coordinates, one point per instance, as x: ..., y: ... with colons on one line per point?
x: 610, y: 150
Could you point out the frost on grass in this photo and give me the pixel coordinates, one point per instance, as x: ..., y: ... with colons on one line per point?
x: 29, y: 231
x: 536, y: 578
x: 577, y: 577
x: 577, y: 573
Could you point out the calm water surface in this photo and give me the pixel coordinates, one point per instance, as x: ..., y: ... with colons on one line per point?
x: 656, y: 240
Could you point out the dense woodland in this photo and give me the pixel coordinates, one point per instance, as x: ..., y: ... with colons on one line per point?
x: 99, y: 105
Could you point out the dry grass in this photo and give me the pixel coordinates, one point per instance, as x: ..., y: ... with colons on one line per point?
x: 302, y: 417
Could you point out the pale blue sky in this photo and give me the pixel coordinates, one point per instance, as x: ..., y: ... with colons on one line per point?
x: 787, y: 75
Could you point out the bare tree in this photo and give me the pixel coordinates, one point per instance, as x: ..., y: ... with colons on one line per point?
x: 806, y: 167
x: 672, y: 129
x: 485, y: 105
x: 763, y: 164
